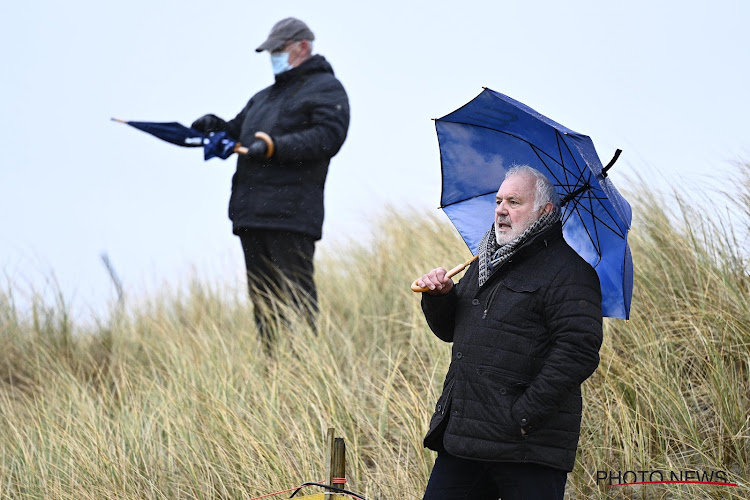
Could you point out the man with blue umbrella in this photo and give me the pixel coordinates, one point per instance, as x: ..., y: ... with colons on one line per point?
x: 291, y: 129
x: 526, y: 328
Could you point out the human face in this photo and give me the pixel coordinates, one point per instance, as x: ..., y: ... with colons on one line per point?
x: 514, y: 209
x: 298, y: 51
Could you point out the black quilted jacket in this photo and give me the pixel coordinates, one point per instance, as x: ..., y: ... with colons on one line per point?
x: 522, y: 345
x: 306, y: 113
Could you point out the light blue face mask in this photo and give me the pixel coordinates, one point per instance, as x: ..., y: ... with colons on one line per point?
x: 280, y: 62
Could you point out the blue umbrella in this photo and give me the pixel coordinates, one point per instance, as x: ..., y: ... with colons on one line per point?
x: 491, y: 133
x: 215, y: 144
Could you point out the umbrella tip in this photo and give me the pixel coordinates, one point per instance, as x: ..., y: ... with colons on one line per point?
x: 117, y: 120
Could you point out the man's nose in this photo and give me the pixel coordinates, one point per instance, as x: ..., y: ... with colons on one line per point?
x: 501, y: 209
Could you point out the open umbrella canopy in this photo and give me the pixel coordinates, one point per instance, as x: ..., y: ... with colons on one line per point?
x: 215, y: 144
x: 491, y: 133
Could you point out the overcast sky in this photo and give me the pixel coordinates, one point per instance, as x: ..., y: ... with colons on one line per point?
x: 664, y: 81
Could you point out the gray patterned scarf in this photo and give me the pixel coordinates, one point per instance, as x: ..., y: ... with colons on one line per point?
x: 492, y: 255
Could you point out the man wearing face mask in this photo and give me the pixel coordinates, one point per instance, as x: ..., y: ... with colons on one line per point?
x: 292, y: 129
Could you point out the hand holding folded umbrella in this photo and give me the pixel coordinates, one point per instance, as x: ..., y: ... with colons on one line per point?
x: 209, y: 134
x: 209, y: 123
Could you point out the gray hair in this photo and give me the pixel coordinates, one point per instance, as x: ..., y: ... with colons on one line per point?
x: 545, y: 190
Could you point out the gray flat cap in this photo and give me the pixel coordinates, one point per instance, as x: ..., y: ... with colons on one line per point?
x: 290, y: 28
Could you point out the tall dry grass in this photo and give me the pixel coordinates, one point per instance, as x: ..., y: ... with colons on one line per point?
x: 175, y: 398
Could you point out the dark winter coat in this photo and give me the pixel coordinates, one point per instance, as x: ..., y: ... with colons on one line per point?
x: 522, y: 345
x: 306, y: 113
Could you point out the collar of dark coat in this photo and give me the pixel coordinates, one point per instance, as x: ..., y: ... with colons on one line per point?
x: 533, y: 245
x: 315, y: 64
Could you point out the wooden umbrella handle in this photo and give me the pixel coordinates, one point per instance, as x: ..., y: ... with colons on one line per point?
x: 270, y: 148
x: 416, y: 288
x: 269, y: 143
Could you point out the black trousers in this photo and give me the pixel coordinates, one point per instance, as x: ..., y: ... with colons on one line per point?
x: 456, y: 478
x: 279, y: 275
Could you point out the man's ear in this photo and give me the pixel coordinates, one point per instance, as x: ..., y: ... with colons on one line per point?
x: 548, y: 207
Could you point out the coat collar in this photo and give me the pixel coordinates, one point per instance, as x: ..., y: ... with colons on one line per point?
x: 315, y: 64
x: 532, y: 246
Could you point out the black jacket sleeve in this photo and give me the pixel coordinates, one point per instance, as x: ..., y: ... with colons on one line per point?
x: 440, y: 313
x: 321, y: 135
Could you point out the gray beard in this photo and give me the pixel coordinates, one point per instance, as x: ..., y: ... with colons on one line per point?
x: 508, y: 237
x: 493, y: 254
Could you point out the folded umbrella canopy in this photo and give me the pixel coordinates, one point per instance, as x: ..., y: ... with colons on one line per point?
x: 491, y: 133
x: 215, y: 144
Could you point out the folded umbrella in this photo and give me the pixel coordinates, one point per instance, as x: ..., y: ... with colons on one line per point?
x: 491, y: 133
x: 215, y: 144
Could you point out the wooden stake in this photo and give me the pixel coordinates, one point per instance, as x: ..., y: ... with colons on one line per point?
x: 329, y: 455
x: 339, y: 463
x: 335, y: 461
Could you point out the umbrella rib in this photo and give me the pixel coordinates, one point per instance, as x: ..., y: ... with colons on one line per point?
x: 596, y: 228
x: 560, y: 137
x: 566, y: 170
x: 581, y: 172
x: 536, y: 152
x: 561, y: 165
x: 569, y: 188
x: 617, y: 231
x: 572, y: 187
x: 576, y: 192
x: 600, y: 199
x: 590, y: 187
x: 562, y: 161
x: 567, y: 216
x: 578, y: 201
x: 597, y: 243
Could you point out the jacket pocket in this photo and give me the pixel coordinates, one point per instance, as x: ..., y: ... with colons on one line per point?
x: 519, y: 285
x: 510, y: 380
x: 515, y: 295
x: 497, y: 392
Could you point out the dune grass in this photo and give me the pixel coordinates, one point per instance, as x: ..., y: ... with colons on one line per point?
x: 174, y: 397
